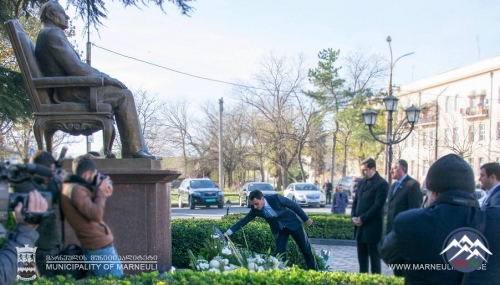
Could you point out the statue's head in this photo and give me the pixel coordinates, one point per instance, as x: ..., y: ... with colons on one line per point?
x: 53, y: 12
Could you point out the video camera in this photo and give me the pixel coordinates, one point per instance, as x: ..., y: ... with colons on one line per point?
x: 16, y: 181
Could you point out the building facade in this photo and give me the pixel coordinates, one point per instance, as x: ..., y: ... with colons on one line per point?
x: 459, y: 114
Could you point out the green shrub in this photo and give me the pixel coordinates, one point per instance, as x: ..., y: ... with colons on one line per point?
x: 238, y: 277
x: 191, y: 234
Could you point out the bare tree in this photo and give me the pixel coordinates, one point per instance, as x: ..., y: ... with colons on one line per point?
x: 275, y: 100
x: 235, y: 140
x: 177, y: 120
x: 460, y: 137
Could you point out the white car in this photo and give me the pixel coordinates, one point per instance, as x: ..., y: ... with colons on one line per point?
x: 305, y: 194
x: 265, y: 188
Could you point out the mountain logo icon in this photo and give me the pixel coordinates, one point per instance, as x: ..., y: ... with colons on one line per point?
x: 466, y: 249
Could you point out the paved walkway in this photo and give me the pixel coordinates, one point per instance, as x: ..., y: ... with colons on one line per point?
x: 345, y: 258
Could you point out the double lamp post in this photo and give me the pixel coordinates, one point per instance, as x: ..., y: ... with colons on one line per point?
x: 391, y: 105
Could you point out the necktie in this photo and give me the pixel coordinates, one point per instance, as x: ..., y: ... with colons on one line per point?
x: 396, y: 186
x: 268, y: 214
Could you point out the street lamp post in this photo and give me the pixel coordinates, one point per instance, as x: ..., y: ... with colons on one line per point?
x: 391, y: 105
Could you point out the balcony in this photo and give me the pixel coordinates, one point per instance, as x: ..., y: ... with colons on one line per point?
x: 426, y: 120
x: 474, y: 113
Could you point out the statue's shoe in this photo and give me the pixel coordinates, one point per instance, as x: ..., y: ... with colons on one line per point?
x: 140, y: 154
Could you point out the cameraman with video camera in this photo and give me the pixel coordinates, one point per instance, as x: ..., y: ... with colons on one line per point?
x: 23, y: 234
x: 83, y: 200
x: 50, y: 241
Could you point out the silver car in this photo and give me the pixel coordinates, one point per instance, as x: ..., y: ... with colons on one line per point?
x: 305, y: 194
x: 265, y: 188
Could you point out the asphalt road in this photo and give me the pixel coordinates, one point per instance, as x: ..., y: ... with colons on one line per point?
x: 215, y: 213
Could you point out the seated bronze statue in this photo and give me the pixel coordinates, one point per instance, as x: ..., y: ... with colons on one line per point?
x: 56, y: 57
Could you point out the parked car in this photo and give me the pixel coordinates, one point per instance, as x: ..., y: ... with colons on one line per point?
x: 200, y: 192
x: 346, y: 182
x: 480, y: 195
x: 265, y: 188
x: 305, y: 194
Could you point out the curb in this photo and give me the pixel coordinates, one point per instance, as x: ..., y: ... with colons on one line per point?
x: 325, y: 241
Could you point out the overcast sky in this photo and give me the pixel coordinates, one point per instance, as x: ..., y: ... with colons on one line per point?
x: 225, y: 40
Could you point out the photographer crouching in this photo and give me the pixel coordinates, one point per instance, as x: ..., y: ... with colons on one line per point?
x: 83, y: 200
x: 23, y: 234
x: 50, y: 241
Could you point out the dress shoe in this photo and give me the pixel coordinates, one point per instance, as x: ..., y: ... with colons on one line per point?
x: 140, y: 154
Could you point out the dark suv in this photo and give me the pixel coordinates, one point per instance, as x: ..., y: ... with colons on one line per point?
x: 200, y: 192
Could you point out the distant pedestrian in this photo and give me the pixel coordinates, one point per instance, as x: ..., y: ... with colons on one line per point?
x: 328, y: 187
x: 340, y: 201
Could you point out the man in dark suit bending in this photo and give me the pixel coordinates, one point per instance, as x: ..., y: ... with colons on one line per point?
x: 285, y: 219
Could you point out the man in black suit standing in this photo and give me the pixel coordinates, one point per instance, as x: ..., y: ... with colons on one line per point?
x: 368, y: 214
x: 285, y: 219
x: 404, y: 195
x: 489, y: 179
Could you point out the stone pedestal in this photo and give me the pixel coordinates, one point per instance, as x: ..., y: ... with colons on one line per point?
x: 138, y: 212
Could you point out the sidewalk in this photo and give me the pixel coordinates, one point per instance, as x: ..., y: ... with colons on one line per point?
x: 345, y: 257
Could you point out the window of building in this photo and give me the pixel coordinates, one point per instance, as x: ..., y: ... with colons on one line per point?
x: 481, y: 161
x: 470, y: 136
x: 412, y: 139
x: 424, y: 138
x: 447, y: 136
x: 447, y: 104
x: 456, y: 103
x: 498, y: 130
x: 455, y: 134
x: 482, y: 132
x: 471, y: 162
x: 425, y: 166
x: 432, y: 141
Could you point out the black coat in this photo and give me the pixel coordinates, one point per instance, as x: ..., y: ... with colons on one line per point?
x: 408, y: 196
x: 419, y: 235
x: 288, y: 214
x: 369, y: 206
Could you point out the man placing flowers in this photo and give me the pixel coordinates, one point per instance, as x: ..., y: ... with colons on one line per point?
x: 285, y: 219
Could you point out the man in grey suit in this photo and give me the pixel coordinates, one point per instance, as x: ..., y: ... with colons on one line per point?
x: 404, y: 195
x: 56, y: 57
x: 489, y: 179
x: 285, y: 219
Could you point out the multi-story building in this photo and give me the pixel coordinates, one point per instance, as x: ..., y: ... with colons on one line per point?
x: 459, y: 114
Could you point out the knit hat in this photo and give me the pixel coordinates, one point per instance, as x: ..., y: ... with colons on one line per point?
x: 450, y: 172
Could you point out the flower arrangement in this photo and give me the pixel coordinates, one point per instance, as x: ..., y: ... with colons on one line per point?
x: 221, y: 255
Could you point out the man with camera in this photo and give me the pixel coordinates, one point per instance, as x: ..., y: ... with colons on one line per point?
x: 83, y: 200
x: 50, y: 241
x: 23, y: 234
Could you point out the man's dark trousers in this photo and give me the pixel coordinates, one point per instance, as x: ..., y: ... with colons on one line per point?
x: 365, y: 250
x: 302, y: 242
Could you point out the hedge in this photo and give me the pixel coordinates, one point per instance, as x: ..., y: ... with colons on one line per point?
x: 191, y: 233
x: 238, y: 277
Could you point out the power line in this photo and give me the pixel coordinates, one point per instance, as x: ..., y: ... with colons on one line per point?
x: 180, y: 72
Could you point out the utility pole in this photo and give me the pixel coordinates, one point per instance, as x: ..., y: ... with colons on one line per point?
x: 221, y: 167
x: 89, y: 140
